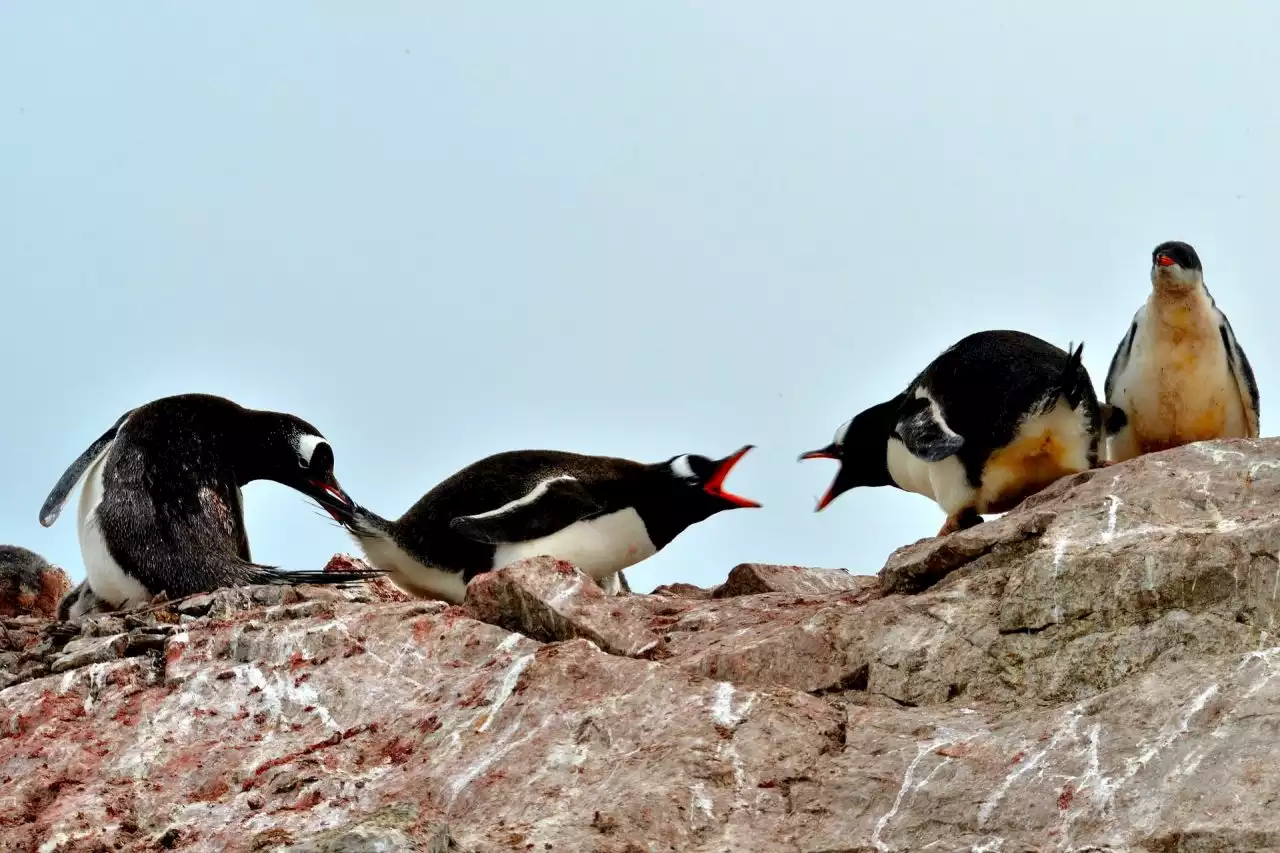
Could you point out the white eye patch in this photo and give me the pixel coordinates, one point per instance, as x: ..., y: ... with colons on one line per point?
x: 681, y: 468
x: 306, y: 445
x: 842, y: 432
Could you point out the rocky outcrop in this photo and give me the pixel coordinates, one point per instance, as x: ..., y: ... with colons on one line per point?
x: 1094, y: 671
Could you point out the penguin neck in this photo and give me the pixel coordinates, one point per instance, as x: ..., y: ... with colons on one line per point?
x: 252, y: 445
x: 872, y: 444
x: 667, y: 506
x: 1179, y: 308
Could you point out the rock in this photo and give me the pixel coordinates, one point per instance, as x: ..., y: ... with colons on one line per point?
x: 389, y: 830
x: 759, y: 578
x: 549, y: 599
x: 90, y: 650
x: 375, y: 589
x: 29, y: 585
x: 1097, y: 670
x: 682, y: 590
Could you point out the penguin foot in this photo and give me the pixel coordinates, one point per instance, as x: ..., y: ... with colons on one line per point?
x: 962, y: 520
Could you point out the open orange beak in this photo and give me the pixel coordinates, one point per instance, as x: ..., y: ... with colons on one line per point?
x: 715, y: 486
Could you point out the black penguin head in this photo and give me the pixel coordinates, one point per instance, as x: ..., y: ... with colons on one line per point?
x: 702, y: 481
x: 1175, y: 266
x: 860, y: 446
x: 296, y: 455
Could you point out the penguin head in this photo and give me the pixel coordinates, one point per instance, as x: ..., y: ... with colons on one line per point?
x: 298, y: 456
x: 860, y: 446
x: 700, y: 482
x: 1175, y: 267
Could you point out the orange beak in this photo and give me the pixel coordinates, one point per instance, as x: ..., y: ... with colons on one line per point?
x: 1164, y: 261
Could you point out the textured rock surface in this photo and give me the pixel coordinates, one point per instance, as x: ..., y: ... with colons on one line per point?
x: 758, y: 578
x: 1095, y: 671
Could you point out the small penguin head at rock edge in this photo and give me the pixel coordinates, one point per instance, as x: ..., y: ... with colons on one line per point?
x: 860, y: 446
x: 702, y: 480
x: 1175, y: 267
x: 296, y: 455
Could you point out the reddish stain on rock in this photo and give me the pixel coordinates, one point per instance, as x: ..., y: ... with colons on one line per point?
x: 397, y: 751
x: 1068, y: 794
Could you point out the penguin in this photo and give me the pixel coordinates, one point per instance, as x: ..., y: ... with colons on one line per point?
x: 1179, y: 374
x: 161, y: 509
x: 992, y: 420
x: 29, y: 585
x: 601, y: 513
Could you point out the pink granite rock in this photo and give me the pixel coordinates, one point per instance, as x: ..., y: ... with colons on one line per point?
x: 1095, y: 671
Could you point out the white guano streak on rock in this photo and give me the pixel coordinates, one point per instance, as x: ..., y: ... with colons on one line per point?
x: 1068, y: 728
x: 701, y: 801
x: 877, y: 833
x: 990, y: 846
x: 722, y: 707
x: 505, y: 688
x: 1220, y: 455
x: 1115, y: 504
x: 504, y: 744
x: 508, y: 643
x: 1106, y: 788
x: 567, y: 593
x: 280, y: 688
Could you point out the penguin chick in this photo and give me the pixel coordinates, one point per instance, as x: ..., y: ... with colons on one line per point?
x: 78, y: 603
x: 161, y: 508
x: 29, y: 585
x: 992, y: 420
x: 600, y: 513
x: 1179, y: 374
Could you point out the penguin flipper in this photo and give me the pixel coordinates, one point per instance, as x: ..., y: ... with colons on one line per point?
x: 53, y: 504
x: 1120, y: 359
x: 925, y: 433
x: 1242, y: 372
x: 552, y: 505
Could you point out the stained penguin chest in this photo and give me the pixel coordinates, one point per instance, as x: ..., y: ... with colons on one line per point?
x: 1045, y: 448
x: 598, y: 546
x: 1179, y: 387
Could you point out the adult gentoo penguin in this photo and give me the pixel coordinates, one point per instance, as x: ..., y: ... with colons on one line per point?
x: 995, y: 418
x: 161, y: 509
x: 1179, y: 374
x: 600, y: 513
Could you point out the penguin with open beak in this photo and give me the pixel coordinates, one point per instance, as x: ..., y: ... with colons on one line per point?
x: 992, y: 420
x: 601, y: 513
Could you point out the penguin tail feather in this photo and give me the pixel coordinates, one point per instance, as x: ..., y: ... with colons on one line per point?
x: 269, y: 575
x: 1074, y: 379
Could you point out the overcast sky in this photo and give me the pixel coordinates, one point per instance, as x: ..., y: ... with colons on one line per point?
x: 438, y: 231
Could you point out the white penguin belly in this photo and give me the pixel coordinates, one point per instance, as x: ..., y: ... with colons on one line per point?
x: 1046, y: 446
x: 107, y: 579
x: 415, y: 577
x: 944, y: 481
x: 1178, y: 386
x: 600, y: 547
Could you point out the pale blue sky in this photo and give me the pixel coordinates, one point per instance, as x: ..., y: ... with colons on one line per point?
x: 440, y: 231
